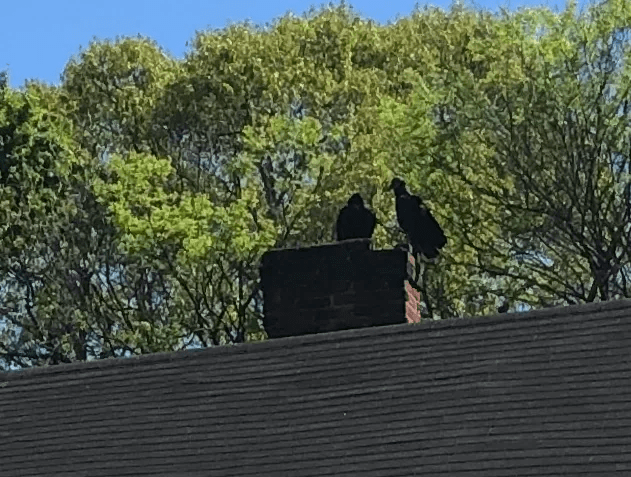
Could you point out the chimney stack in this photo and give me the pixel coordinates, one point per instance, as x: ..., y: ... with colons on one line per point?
x: 336, y: 287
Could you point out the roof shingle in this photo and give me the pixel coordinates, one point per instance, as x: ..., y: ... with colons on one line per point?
x: 545, y: 393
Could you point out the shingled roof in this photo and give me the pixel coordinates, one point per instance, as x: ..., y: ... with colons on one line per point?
x: 545, y: 393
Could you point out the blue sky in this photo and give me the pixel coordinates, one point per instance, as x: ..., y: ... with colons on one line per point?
x: 38, y: 37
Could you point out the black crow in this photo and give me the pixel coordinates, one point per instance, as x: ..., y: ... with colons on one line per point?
x: 417, y: 221
x: 355, y: 220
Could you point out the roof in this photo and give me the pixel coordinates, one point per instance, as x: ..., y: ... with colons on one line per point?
x: 545, y: 393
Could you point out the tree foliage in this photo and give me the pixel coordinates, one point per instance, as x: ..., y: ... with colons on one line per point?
x: 540, y: 141
x: 138, y: 197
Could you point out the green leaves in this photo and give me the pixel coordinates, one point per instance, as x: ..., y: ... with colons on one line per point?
x: 112, y: 88
x: 152, y: 216
x: 521, y: 140
x: 137, y: 199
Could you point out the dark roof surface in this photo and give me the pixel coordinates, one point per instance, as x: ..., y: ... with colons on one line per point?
x: 546, y: 393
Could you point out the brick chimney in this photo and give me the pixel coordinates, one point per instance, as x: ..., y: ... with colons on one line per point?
x: 336, y: 287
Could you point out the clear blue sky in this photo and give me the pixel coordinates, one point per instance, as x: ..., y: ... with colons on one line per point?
x: 38, y: 37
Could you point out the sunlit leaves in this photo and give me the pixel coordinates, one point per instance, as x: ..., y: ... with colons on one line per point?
x: 137, y: 199
x: 533, y: 139
x: 152, y: 217
x: 113, y: 87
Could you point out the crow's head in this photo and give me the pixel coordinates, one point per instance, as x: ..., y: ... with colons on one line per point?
x: 396, y: 183
x: 398, y: 186
x: 356, y: 201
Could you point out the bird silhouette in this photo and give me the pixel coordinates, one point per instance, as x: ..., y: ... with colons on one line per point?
x: 355, y: 220
x: 422, y: 229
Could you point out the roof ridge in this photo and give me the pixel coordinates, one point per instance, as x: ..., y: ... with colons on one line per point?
x: 339, y: 336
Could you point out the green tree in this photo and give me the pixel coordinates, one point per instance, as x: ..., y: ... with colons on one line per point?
x: 539, y: 141
x: 139, y: 196
x: 37, y: 162
x: 66, y: 291
x: 112, y: 88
